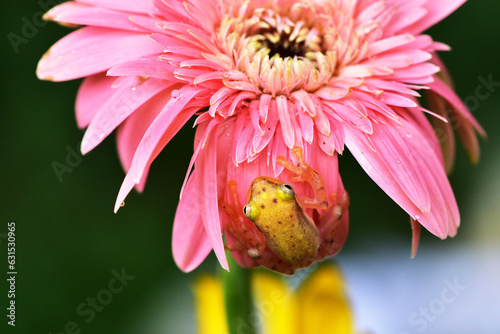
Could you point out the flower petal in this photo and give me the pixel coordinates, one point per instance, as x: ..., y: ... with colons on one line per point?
x: 129, y: 95
x: 91, y: 50
x: 190, y: 242
x: 406, y: 170
x: 132, y: 130
x: 443, y: 209
x: 76, y: 13
x: 286, y: 123
x: 124, y: 5
x: 436, y: 11
x: 168, y: 122
x: 207, y: 161
x: 449, y: 95
x: 93, y: 93
x: 150, y: 67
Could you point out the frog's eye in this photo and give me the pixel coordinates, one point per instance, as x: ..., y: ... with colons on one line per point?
x: 250, y: 210
x: 286, y: 192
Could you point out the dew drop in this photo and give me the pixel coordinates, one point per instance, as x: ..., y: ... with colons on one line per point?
x: 175, y: 94
x: 134, y: 88
x: 417, y: 217
x: 408, y: 135
x: 397, y: 161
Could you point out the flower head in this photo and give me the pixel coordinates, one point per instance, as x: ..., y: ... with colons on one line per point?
x: 265, y: 76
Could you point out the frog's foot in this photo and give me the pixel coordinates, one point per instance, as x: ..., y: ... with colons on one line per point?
x: 269, y: 260
x: 264, y: 258
x: 246, y: 235
x: 329, y: 223
x: 305, y: 173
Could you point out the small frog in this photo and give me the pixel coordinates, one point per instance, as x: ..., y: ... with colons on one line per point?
x: 273, y: 227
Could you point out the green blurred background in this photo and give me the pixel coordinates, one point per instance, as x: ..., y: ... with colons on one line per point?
x: 69, y: 240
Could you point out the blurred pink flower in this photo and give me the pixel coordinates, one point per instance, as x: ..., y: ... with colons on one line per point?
x: 264, y: 76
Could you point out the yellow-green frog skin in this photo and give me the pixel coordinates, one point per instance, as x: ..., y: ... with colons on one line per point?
x: 290, y: 233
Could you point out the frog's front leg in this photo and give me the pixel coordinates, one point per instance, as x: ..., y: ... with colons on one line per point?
x: 305, y: 173
x: 247, y: 236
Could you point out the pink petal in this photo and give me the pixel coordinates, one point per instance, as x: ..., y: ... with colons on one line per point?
x: 332, y: 93
x: 190, y: 242
x: 93, y: 93
x: 400, y: 59
x: 394, y: 86
x: 127, y: 97
x: 269, y: 127
x: 203, y: 130
x: 468, y: 138
x: 405, y: 169
x: 422, y: 70
x: 131, y: 132
x: 244, y: 141
x: 371, y: 12
x: 76, y: 13
x: 91, y: 50
x: 348, y: 114
x: 168, y: 122
x: 254, y: 111
x: 124, y: 5
x: 321, y: 122
x: 449, y: 95
x: 441, y: 192
x: 443, y: 213
x: 404, y: 18
x: 209, y: 197
x: 416, y: 228
x: 436, y: 11
x: 285, y: 121
x: 444, y: 131
x: 150, y: 67
x: 397, y: 100
x: 306, y: 126
x: 264, y: 101
x: 276, y: 148
x: 388, y: 44
x: 305, y: 100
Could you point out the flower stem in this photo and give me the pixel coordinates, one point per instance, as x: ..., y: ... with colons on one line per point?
x: 238, y: 298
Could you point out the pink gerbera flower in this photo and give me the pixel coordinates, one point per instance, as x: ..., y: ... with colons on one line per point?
x: 265, y: 76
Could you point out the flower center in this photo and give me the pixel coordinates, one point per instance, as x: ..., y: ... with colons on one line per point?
x: 284, y: 45
x: 280, y: 51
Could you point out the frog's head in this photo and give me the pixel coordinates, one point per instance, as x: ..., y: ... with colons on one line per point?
x: 266, y: 194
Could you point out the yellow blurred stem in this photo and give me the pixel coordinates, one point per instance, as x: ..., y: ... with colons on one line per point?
x: 275, y: 305
x: 210, y: 306
x: 323, y: 304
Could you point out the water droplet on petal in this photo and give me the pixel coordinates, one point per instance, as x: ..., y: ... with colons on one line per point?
x: 175, y: 94
x: 417, y: 217
x: 408, y: 135
x: 134, y: 88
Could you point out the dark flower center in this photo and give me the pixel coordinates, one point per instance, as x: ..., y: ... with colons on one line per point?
x: 284, y: 47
